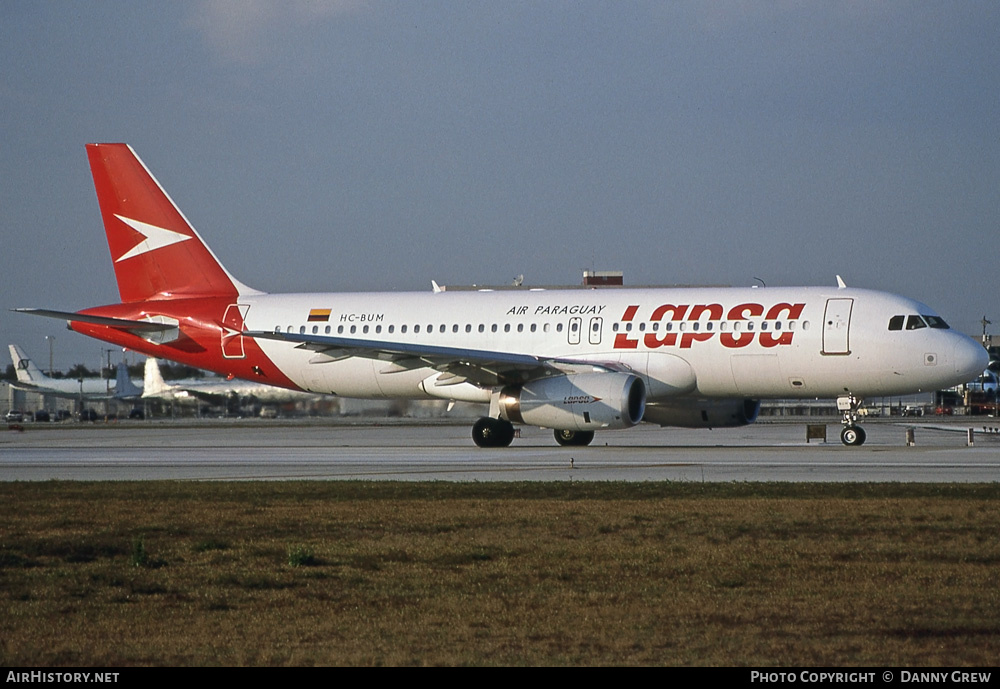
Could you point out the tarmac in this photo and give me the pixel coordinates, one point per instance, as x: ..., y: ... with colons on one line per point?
x: 397, y: 450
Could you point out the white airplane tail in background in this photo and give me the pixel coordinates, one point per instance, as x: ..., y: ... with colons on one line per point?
x: 153, y: 384
x: 27, y: 371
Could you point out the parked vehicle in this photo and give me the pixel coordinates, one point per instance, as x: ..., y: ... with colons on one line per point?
x: 14, y: 416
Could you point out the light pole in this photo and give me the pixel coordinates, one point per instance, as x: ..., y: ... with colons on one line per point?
x: 51, y: 339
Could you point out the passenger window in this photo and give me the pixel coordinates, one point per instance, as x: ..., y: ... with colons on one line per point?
x: 326, y: 330
x: 277, y: 328
x: 340, y: 330
x: 520, y: 327
x: 506, y: 327
x: 302, y: 330
x: 392, y: 329
x: 482, y: 328
x: 365, y: 330
x: 416, y: 329
x: 915, y: 323
x: 402, y: 329
x: 315, y: 329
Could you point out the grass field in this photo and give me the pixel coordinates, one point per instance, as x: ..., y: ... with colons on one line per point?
x: 302, y: 573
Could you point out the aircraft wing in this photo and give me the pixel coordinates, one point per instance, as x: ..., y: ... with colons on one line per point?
x: 476, y: 366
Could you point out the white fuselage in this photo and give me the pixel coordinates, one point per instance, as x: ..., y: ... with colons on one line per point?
x: 801, y: 342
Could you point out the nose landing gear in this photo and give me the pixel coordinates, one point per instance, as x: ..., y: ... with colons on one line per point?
x: 852, y: 434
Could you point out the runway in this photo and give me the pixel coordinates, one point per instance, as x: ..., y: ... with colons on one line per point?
x: 263, y: 450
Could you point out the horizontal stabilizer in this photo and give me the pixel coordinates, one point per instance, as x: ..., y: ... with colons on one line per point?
x: 122, y: 323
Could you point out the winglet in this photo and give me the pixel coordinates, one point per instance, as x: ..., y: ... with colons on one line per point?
x: 436, y: 287
x: 840, y: 283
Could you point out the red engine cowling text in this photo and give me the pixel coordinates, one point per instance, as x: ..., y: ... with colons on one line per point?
x: 702, y: 322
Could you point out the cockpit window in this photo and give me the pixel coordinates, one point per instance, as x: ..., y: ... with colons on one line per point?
x: 936, y: 322
x: 896, y: 322
x: 915, y: 323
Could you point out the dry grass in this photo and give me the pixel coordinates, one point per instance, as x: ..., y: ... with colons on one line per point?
x: 398, y: 574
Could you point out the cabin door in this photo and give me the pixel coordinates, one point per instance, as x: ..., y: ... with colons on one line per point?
x: 232, y: 327
x: 837, y: 326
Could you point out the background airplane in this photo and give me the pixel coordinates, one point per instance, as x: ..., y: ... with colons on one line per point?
x: 573, y: 361
x: 31, y: 378
x: 215, y: 391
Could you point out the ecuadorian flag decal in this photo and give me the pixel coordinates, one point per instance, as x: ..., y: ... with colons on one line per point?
x: 322, y: 315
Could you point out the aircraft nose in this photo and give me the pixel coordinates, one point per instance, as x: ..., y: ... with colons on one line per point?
x: 970, y: 359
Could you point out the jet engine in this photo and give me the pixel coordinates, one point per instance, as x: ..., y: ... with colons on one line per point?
x: 581, y: 402
x: 696, y: 413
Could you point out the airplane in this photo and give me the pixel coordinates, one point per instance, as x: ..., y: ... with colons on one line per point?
x: 575, y: 361
x: 30, y: 378
x: 212, y: 390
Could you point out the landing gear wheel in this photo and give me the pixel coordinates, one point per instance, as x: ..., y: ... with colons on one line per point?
x: 487, y: 432
x: 853, y: 435
x: 574, y: 438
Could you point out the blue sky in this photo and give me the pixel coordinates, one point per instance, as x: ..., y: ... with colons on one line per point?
x: 354, y: 145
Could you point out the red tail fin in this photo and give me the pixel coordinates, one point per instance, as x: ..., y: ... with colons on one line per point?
x: 157, y: 254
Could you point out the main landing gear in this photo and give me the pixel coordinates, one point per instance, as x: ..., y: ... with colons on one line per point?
x: 487, y: 432
x: 852, y: 434
x: 574, y: 438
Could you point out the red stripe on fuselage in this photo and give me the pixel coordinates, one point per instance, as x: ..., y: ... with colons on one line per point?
x: 200, y: 322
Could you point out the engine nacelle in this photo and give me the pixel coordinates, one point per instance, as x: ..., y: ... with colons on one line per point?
x: 579, y: 402
x: 695, y: 413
